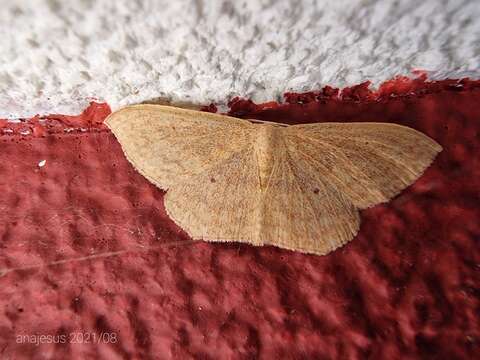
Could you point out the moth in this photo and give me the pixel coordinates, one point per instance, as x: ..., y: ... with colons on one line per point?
x: 298, y: 187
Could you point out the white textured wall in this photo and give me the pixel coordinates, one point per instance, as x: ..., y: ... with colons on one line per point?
x: 56, y: 55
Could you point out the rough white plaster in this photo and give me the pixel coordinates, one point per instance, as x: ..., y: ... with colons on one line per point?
x: 57, y: 55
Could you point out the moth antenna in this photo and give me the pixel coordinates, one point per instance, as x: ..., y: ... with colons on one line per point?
x: 267, y: 122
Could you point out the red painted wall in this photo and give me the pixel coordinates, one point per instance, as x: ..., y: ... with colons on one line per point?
x: 86, y: 247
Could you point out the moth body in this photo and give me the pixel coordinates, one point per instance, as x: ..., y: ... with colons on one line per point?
x: 266, y: 139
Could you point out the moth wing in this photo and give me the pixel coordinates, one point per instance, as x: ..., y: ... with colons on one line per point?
x: 301, y: 210
x: 221, y: 203
x: 167, y: 144
x: 369, y: 163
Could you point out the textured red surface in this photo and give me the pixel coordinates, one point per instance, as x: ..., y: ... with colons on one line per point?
x: 85, y: 246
